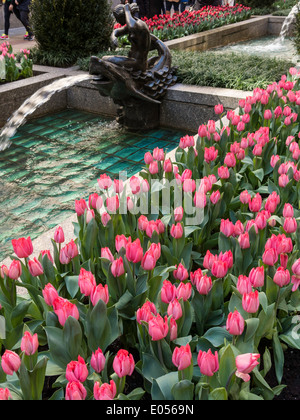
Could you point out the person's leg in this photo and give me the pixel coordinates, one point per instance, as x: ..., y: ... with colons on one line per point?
x: 24, y: 15
x: 7, y: 14
x: 168, y: 7
x: 176, y: 7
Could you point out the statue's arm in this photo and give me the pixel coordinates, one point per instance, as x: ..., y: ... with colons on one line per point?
x: 130, y: 21
x: 117, y: 33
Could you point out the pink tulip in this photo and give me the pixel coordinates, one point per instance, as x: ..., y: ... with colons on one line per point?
x: 22, y: 247
x: 106, y: 253
x: 196, y: 276
x: 210, y: 154
x: 121, y: 242
x: 235, y: 323
x: 173, y: 329
x: 219, y: 109
x: 99, y: 292
x: 296, y: 268
x: 184, y: 291
x: 117, y: 267
x: 244, y: 240
x: 123, y: 363
x: 151, y: 227
x: 3, y: 271
x: 75, y: 391
x: 148, y: 158
x: 59, y: 236
x: 104, y: 182
x: 86, y: 281
x: 227, y: 227
x: 219, y: 269
x: 175, y: 309
x: 288, y: 210
x: 63, y: 309
x: 208, y: 362
x: 135, y: 185
x: 158, y: 154
x: 243, y: 285
x: 50, y: 294
x: 290, y: 225
x: 149, y: 260
x: 15, y: 270
x: 215, y: 197
x: 209, y: 259
x: 80, y: 207
x: 5, y: 394
x: 134, y: 252
x: 48, y: 253
x: 182, y: 357
x: 245, y: 197
x: 176, y: 231
x: 255, y: 203
x: 146, y: 312
x: 180, y: 273
x: 10, y: 362
x: 105, y: 391
x: 112, y: 204
x: 105, y: 218
x: 90, y: 214
x: 168, y: 292
x: 282, y: 277
x: 158, y: 327
x: 257, y: 276
x: 204, y: 285
x: 153, y: 168
x: 93, y: 198
x: 168, y: 167
x: 35, y: 267
x: 250, y: 302
x: 245, y: 363
x: 98, y: 361
x: 77, y: 371
x: 270, y: 257
x: 178, y: 214
x: 230, y: 160
x: 29, y: 343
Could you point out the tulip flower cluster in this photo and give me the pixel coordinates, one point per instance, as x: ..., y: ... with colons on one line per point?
x: 194, y: 264
x: 10, y: 71
x: 168, y: 27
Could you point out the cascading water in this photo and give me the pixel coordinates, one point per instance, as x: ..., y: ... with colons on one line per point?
x: 288, y: 21
x: 31, y: 104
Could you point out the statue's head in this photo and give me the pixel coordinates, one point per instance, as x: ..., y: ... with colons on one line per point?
x: 119, y: 12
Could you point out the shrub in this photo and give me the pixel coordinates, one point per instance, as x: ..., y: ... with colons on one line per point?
x: 71, y: 28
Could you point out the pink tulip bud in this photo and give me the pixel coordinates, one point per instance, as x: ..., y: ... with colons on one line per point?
x: 105, y: 391
x: 148, y: 158
x: 182, y: 357
x: 184, y: 291
x: 235, y: 323
x: 10, y: 362
x: 80, y: 207
x: 270, y: 257
x: 227, y: 228
x: 158, y: 154
x: 175, y: 309
x: 29, y: 343
x: 105, y: 218
x: 50, y: 294
x: 181, y: 273
x: 86, y: 282
x: 255, y: 203
x: 117, y: 267
x: 63, y: 309
x: 112, y: 204
x: 121, y: 242
x: 244, y: 240
x: 244, y: 285
x: 15, y: 270
x: 282, y: 277
x: 75, y: 391
x: 168, y: 292
x: 22, y: 247
x: 93, y: 201
x: 296, y: 268
x: 59, y: 236
x: 290, y: 225
x: 153, y: 168
x: 158, y: 327
x: 245, y: 363
x: 99, y: 292
x: 146, y: 312
x: 48, y: 253
x: 106, y: 253
x: 5, y: 394
x: 204, y: 285
x: 288, y: 210
x: 219, y: 109
x: 90, y: 214
x: 135, y: 184
x: 3, y: 271
x: 123, y: 363
x: 134, y: 252
x: 104, y: 182
x: 208, y: 362
x: 98, y: 361
x: 35, y: 267
x: 118, y: 186
x: 257, y: 276
x: 219, y: 269
x: 77, y: 371
x: 173, y: 329
x: 250, y: 302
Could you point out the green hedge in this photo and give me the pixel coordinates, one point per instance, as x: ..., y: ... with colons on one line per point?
x: 71, y: 28
x: 257, y: 3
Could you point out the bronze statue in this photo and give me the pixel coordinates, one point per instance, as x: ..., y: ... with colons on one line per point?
x: 135, y: 77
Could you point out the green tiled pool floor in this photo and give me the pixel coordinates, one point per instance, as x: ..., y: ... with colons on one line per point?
x: 57, y: 159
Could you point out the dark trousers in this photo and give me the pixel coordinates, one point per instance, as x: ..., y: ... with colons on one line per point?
x: 23, y: 16
x: 7, y: 14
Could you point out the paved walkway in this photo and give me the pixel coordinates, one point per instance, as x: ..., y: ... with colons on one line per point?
x: 16, y: 39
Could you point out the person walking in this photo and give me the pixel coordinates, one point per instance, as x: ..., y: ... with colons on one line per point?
x: 7, y: 14
x: 21, y: 10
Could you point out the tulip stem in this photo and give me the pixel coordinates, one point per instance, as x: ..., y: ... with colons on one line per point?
x: 160, y: 355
